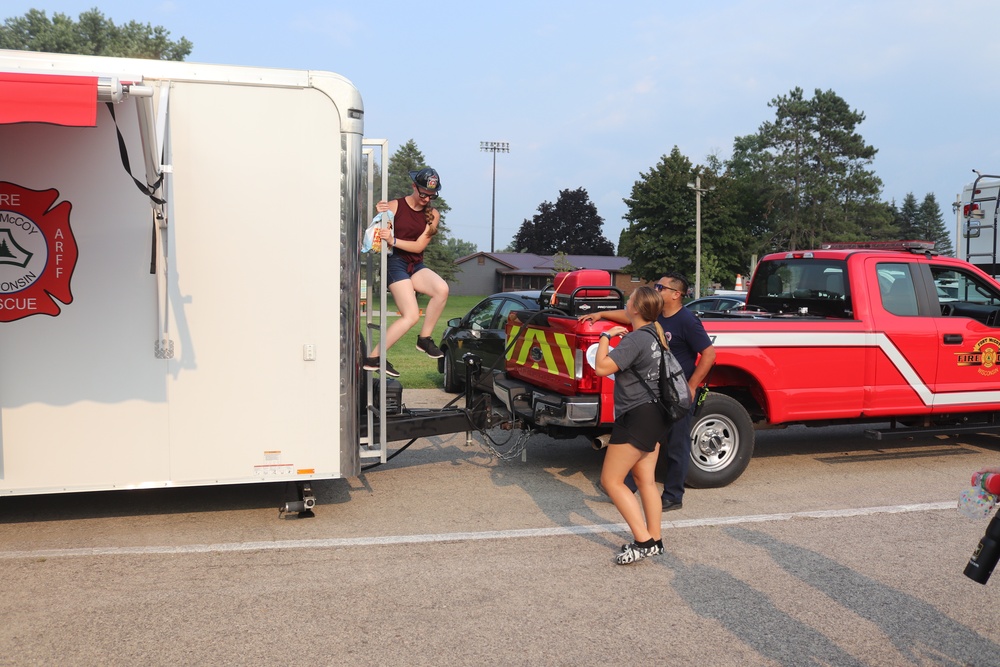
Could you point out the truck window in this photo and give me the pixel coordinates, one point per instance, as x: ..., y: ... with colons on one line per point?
x: 895, y: 284
x: 962, y: 294
x: 803, y: 286
x: 955, y: 285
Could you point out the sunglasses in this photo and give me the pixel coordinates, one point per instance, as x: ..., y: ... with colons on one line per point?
x: 426, y: 195
x: 659, y: 288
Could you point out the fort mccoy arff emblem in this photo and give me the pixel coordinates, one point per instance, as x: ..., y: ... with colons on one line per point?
x: 37, y: 252
x: 985, y: 354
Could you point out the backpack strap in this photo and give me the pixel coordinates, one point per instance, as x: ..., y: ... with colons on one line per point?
x: 663, y: 367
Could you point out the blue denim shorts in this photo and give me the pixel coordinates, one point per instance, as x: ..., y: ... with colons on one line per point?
x: 397, y: 268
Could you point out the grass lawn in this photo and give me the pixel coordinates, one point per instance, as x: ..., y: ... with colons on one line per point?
x: 416, y: 369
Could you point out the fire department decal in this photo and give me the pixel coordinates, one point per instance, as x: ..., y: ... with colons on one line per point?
x: 37, y: 252
x: 984, y: 354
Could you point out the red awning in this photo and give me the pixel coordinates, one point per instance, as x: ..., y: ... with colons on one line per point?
x: 48, y: 98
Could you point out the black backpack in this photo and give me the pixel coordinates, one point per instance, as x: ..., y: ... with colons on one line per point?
x: 675, y: 396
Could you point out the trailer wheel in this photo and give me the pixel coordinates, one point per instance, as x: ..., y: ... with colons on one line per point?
x: 722, y: 440
x: 451, y: 383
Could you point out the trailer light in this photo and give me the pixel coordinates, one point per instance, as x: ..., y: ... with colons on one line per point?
x: 973, y: 211
x: 356, y: 114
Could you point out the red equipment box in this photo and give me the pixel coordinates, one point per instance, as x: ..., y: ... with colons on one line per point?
x: 566, y: 282
x: 575, y: 294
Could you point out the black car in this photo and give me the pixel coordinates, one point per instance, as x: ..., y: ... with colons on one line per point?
x: 717, y: 303
x: 724, y: 305
x: 483, y: 332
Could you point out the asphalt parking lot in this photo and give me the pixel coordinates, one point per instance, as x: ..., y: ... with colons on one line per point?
x: 831, y: 549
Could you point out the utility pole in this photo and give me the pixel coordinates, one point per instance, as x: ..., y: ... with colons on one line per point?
x: 698, y: 191
x: 494, y: 147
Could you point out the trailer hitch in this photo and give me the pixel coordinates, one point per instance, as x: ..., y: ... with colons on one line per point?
x: 303, y: 506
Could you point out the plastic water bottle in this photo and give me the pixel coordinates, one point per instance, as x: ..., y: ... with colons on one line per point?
x: 977, y: 500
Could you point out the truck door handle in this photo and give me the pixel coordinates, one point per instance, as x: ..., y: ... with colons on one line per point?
x: 953, y: 339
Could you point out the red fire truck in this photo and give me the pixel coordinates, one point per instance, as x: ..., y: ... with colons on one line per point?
x: 887, y: 334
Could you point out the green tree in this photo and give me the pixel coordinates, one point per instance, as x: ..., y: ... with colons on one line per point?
x: 815, y: 171
x: 454, y: 249
x: 92, y: 34
x: 906, y: 217
x: 571, y: 226
x: 561, y: 263
x: 923, y: 222
x: 754, y: 194
x: 930, y: 224
x: 459, y: 248
x: 660, y: 236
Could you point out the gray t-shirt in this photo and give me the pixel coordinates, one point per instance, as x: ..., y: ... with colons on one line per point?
x: 639, y: 350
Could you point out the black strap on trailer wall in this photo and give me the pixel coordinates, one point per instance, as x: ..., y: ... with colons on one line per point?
x: 144, y: 188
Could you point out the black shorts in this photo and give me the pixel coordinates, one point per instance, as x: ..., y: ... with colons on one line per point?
x: 642, y: 427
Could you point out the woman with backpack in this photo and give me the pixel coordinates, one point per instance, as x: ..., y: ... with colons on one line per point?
x: 639, y: 421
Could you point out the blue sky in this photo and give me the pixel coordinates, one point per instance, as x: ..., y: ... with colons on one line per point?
x: 593, y: 94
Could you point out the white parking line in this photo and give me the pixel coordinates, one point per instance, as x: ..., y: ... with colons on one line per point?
x: 463, y: 537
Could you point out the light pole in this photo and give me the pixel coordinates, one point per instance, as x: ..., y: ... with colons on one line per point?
x: 698, y: 190
x: 494, y: 147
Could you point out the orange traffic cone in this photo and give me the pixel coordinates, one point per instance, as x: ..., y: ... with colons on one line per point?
x: 739, y: 282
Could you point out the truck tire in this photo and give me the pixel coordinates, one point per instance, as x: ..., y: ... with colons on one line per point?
x: 722, y: 440
x: 452, y: 384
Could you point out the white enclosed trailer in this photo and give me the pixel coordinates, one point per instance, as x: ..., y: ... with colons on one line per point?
x: 201, y: 330
x: 979, y: 241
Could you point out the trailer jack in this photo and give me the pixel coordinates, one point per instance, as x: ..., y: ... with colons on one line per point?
x: 303, y: 506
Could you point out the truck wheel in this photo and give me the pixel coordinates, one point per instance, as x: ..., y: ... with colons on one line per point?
x: 722, y: 439
x: 451, y: 382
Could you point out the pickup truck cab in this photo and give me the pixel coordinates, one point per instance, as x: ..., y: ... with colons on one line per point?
x: 879, y: 334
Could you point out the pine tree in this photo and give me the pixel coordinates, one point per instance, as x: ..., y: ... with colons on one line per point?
x: 931, y: 225
x: 817, y: 170
x: 907, y: 219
